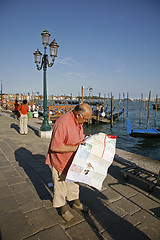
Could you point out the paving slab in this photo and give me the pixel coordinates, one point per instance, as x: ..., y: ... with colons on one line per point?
x: 111, y: 195
x: 7, y: 205
x: 55, y: 232
x: 83, y: 229
x: 149, y: 225
x: 116, y: 231
x: 123, y: 189
x: 128, y: 206
x: 144, y: 202
x: 19, y: 188
x: 9, y: 172
x: 5, y: 191
x: 39, y: 219
x: 25, y: 197
x: 31, y: 205
x: 14, y: 225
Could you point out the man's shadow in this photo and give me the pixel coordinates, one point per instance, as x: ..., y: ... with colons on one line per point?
x: 105, y: 223
x: 38, y: 172
x: 111, y: 224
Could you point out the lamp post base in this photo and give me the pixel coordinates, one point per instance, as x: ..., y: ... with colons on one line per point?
x: 45, y: 126
x: 45, y: 134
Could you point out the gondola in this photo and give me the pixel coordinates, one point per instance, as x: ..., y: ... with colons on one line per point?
x: 115, y: 115
x: 154, y: 106
x: 142, y: 133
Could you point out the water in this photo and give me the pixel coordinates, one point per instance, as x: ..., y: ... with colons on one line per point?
x: 146, y: 147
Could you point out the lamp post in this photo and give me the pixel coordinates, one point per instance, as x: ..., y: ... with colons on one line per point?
x: 44, y: 63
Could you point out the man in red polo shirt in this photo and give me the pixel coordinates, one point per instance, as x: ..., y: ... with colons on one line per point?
x: 23, y: 118
x: 67, y: 135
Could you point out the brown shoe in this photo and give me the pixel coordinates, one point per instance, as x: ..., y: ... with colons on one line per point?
x: 81, y: 208
x: 67, y: 216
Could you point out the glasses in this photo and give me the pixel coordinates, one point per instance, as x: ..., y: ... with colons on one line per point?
x: 81, y: 115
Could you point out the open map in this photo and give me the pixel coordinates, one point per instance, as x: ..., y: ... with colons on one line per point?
x: 92, y: 160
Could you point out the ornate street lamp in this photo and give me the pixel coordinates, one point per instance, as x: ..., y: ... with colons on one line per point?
x: 44, y: 63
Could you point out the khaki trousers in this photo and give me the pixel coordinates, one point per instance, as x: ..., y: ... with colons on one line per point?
x: 23, y: 124
x: 63, y: 190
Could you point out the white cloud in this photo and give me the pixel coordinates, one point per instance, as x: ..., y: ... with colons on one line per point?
x: 68, y: 61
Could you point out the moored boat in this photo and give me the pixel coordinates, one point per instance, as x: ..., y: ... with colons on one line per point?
x: 142, y: 133
x: 158, y: 106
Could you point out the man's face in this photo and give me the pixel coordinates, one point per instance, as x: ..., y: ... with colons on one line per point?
x: 83, y: 118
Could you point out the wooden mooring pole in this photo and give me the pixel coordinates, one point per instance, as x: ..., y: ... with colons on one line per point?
x: 99, y: 98
x: 127, y: 103
x: 141, y: 108
x: 104, y: 100
x: 123, y: 107
x: 52, y: 99
x: 82, y: 94
x: 119, y: 103
x: 111, y: 122
x: 38, y: 100
x: 156, y: 110
x: 148, y: 109
x: 108, y: 102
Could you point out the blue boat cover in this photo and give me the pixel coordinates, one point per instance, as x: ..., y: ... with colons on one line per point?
x: 150, y: 130
x: 129, y: 129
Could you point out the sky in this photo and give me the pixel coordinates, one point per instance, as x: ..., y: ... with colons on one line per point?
x: 109, y: 45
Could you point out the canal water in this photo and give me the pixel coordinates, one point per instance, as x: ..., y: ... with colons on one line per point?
x: 146, y: 147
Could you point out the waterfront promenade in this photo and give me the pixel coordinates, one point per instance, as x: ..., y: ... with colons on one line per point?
x: 122, y: 210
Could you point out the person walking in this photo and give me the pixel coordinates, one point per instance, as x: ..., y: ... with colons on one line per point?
x: 67, y: 135
x: 6, y: 105
x: 23, y: 118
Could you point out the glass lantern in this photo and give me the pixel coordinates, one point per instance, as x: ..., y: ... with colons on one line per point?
x: 53, y: 48
x: 45, y: 37
x: 37, y: 56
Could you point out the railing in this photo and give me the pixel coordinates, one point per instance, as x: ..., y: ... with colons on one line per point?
x: 10, y: 105
x: 56, y: 111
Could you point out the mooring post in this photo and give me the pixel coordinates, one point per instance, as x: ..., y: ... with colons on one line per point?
x: 108, y: 102
x: 156, y: 110
x: 148, y: 109
x: 99, y: 98
x: 119, y: 103
x: 82, y: 94
x: 123, y: 107
x: 104, y: 100
x: 141, y: 108
x: 52, y: 99
x: 38, y: 100
x: 127, y: 103
x: 111, y: 122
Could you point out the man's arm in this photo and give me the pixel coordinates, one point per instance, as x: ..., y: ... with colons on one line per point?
x: 66, y: 148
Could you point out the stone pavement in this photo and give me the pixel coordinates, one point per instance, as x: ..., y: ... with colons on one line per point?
x: 122, y: 210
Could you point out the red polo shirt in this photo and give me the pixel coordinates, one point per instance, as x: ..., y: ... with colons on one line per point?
x: 23, y: 109
x: 66, y: 131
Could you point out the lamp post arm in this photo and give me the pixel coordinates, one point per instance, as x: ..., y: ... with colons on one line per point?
x: 39, y: 67
x: 51, y: 64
